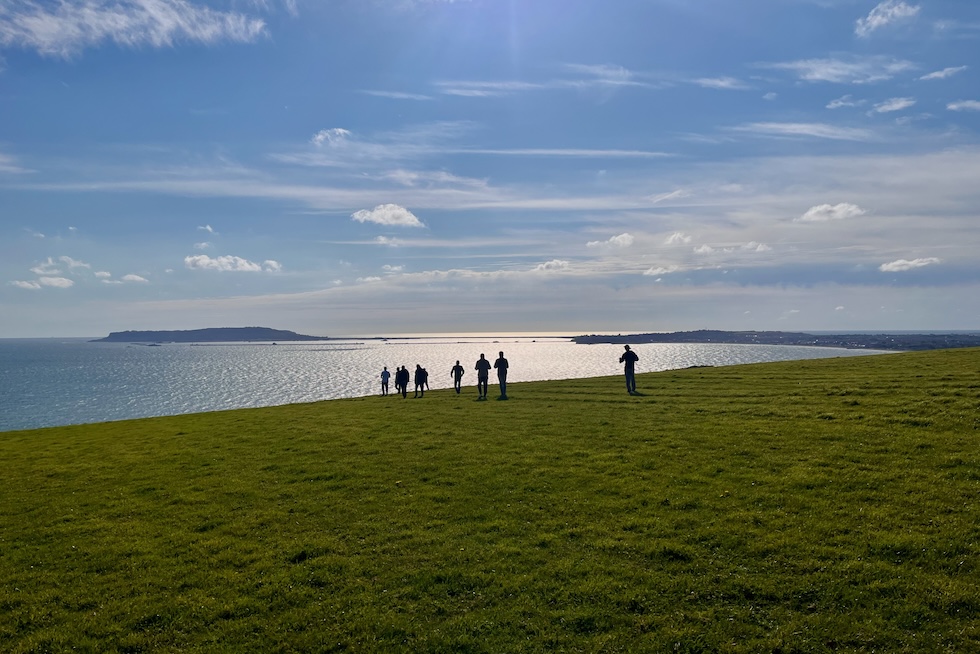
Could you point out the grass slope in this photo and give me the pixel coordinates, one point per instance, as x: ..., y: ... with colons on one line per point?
x: 803, y: 506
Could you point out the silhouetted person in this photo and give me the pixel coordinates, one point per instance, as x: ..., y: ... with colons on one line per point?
x: 501, y: 365
x: 401, y: 379
x: 629, y: 358
x: 421, y: 376
x: 482, y: 376
x: 457, y: 375
x: 385, y: 376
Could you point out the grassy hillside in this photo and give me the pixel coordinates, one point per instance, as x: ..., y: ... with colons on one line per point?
x: 826, y: 505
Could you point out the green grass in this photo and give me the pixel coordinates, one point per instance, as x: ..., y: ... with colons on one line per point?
x: 815, y: 506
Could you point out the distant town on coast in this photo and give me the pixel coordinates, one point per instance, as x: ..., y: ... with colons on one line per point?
x: 880, y: 341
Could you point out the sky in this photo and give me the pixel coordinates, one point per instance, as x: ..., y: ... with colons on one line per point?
x: 388, y: 167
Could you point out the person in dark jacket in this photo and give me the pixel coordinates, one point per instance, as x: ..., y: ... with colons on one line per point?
x: 629, y: 358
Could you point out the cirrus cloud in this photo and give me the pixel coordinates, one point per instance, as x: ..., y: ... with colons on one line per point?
x: 884, y: 14
x: 65, y: 28
x: 904, y: 265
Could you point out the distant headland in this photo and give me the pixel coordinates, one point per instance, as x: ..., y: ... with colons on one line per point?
x: 849, y: 341
x: 209, y: 335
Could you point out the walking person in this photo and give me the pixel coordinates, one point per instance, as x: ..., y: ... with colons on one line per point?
x: 482, y: 376
x: 501, y: 365
x: 385, y: 376
x: 629, y: 358
x: 457, y: 374
x: 421, y: 376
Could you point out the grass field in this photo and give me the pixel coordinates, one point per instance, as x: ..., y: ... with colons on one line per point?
x: 813, y: 506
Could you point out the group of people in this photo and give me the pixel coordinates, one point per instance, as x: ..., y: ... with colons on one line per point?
x: 402, y: 377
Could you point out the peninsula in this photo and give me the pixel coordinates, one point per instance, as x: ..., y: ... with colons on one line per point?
x: 209, y: 335
x: 898, y: 341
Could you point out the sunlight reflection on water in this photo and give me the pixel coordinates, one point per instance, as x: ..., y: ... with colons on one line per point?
x: 57, y: 382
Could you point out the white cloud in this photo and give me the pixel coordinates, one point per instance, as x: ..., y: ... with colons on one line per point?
x: 843, y: 101
x: 815, y: 130
x: 677, y: 238
x: 390, y: 242
x: 330, y: 137
x: 33, y: 286
x: 752, y: 246
x: 48, y: 267
x: 903, y: 265
x: 856, y: 70
x: 206, y: 228
x: 554, y: 265
x: 894, y: 104
x: 135, y: 278
x: 65, y: 28
x: 964, y: 105
x: 368, y: 280
x: 56, y: 282
x: 661, y: 270
x: 770, y: 96
x: 704, y: 249
x: 388, y: 214
x: 392, y: 269
x: 34, y: 233
x: 825, y: 212
x: 271, y: 265
x: 225, y: 263
x: 944, y: 73
x: 621, y: 241
x: 886, y: 13
x: 72, y: 263
x: 102, y: 274
x: 202, y: 246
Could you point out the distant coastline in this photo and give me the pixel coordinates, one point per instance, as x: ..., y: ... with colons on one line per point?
x: 862, y: 341
x: 898, y: 342
x: 209, y: 335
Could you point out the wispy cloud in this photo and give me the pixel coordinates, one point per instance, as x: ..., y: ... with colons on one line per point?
x: 964, y: 105
x: 65, y: 28
x: 944, y: 73
x: 397, y: 95
x: 893, y: 104
x: 723, y: 83
x: 814, y: 130
x: 583, y: 77
x: 849, y: 70
x: 884, y: 14
x: 8, y: 164
x: 904, y: 265
x: 388, y: 214
x: 844, y: 101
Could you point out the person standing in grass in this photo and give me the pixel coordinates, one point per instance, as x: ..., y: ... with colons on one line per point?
x: 501, y: 365
x: 630, y: 358
x: 401, y: 380
x: 457, y: 375
x: 385, y: 376
x: 421, y: 376
x: 482, y: 376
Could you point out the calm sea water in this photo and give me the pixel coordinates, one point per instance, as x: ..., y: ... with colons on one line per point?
x: 49, y: 382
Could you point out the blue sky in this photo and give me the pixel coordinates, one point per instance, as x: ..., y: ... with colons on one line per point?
x: 345, y: 167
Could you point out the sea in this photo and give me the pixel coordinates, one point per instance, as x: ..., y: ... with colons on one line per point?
x: 53, y: 382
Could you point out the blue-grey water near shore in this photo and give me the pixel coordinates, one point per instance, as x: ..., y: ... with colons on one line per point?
x: 50, y: 382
